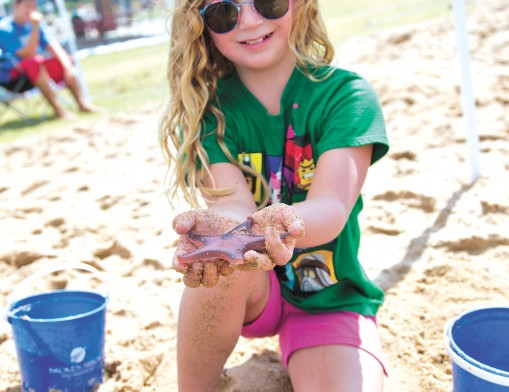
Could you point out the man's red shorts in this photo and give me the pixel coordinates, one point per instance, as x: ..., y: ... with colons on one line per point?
x: 32, y: 66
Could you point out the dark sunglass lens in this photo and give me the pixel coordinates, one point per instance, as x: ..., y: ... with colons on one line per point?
x: 271, y: 9
x: 221, y: 17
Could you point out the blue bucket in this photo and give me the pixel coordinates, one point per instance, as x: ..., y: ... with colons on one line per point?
x: 59, y: 336
x: 478, y: 345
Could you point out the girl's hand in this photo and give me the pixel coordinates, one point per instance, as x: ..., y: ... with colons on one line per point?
x: 271, y: 222
x: 202, y: 222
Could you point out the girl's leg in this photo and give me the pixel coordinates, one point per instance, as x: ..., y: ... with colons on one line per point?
x: 209, y: 325
x: 335, y: 368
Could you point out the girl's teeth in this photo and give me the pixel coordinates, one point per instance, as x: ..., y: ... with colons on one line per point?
x: 256, y: 41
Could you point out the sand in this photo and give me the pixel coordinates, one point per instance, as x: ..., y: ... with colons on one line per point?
x: 433, y: 238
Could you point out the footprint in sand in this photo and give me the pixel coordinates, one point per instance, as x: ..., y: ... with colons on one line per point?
x: 36, y: 185
x: 414, y: 200
x: 385, y: 230
x: 383, y: 221
x: 262, y: 372
x: 493, y: 208
x: 154, y: 264
x: 83, y: 131
x: 31, y: 210
x: 408, y: 155
x: 115, y: 249
x: 56, y: 222
x: 22, y: 258
x: 72, y: 169
x: 475, y: 244
x: 108, y: 201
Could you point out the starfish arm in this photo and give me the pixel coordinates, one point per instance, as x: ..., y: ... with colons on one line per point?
x: 205, y: 255
x: 230, y: 247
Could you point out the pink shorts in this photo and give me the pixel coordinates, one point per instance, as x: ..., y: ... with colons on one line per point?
x: 298, y: 329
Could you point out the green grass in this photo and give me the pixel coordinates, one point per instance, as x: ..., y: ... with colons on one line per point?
x: 125, y: 81
x: 117, y: 82
x: 347, y: 18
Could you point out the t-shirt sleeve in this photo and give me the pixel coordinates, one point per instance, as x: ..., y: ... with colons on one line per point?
x: 8, y: 40
x: 3, y: 39
x: 6, y: 65
x: 353, y: 117
x: 45, y: 37
x: 211, y: 143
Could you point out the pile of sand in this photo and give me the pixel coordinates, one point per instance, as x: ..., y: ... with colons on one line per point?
x: 436, y: 241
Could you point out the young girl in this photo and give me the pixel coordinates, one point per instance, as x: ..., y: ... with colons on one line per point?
x: 263, y: 127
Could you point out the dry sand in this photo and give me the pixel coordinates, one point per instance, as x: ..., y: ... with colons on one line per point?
x: 434, y: 239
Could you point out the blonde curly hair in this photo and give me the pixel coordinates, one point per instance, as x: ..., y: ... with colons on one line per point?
x: 194, y: 67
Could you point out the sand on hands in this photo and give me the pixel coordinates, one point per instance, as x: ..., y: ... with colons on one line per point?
x: 436, y: 241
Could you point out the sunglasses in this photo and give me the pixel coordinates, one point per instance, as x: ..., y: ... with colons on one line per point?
x: 222, y: 16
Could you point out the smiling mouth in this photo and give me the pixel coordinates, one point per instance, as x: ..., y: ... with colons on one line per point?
x: 258, y: 40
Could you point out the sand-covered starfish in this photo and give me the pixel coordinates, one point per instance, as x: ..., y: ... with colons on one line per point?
x: 230, y: 246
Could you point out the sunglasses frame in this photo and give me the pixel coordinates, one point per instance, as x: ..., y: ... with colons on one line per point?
x: 238, y: 6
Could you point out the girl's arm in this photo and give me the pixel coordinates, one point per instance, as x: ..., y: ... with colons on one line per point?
x: 235, y: 207
x: 336, y: 186
x: 338, y: 179
x: 223, y: 214
x: 238, y: 205
x: 337, y: 183
x: 226, y: 212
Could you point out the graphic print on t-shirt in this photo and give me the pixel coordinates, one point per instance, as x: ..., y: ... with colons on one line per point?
x: 254, y: 161
x: 314, y: 270
x: 299, y: 167
x: 273, y: 176
x: 310, y: 270
x: 272, y: 165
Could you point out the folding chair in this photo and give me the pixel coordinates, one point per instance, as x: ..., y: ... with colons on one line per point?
x: 13, y: 90
x: 19, y: 89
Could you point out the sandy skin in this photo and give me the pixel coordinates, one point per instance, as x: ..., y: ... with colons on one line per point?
x: 209, y: 247
x: 230, y: 246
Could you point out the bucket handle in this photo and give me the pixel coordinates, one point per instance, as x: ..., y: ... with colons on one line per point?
x: 47, y: 271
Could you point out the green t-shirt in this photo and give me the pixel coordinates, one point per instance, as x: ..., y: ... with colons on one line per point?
x: 340, y: 111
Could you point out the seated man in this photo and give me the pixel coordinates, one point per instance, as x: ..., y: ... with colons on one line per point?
x: 23, y: 36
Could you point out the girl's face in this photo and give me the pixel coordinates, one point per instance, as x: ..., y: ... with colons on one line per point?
x: 256, y: 43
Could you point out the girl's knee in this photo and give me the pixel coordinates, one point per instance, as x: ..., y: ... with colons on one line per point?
x: 241, y: 283
x: 238, y: 287
x: 347, y: 368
